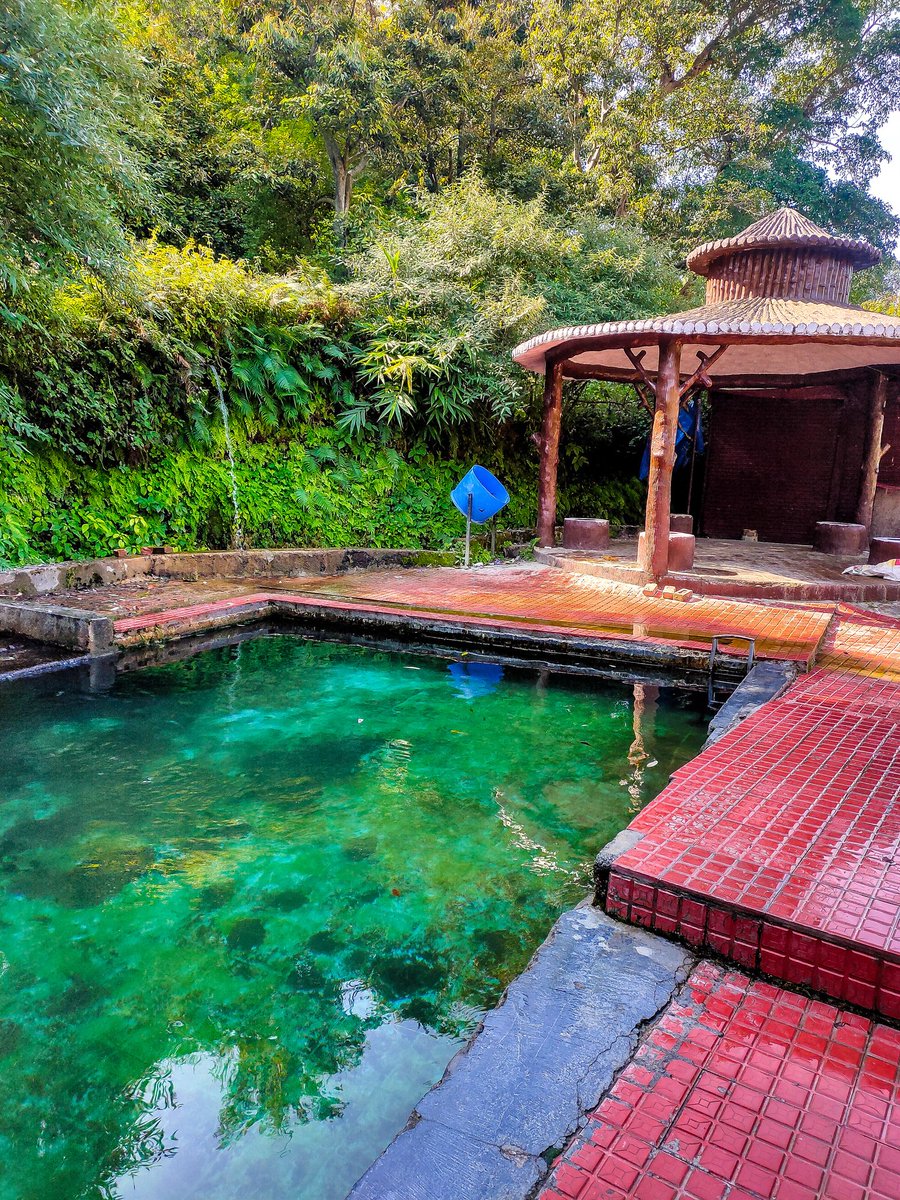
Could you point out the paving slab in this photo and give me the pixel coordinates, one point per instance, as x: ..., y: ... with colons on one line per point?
x: 745, y: 1091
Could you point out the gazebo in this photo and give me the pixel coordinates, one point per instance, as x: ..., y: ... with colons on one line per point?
x: 777, y: 340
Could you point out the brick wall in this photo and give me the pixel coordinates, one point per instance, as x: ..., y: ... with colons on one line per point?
x: 778, y: 464
x: 889, y: 472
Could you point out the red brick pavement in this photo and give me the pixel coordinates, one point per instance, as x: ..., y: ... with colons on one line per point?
x: 539, y: 598
x: 745, y: 1091
x: 776, y: 848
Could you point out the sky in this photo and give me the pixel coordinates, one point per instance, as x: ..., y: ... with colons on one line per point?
x: 887, y: 185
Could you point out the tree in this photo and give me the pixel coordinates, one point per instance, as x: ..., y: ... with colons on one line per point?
x: 71, y: 112
x: 658, y: 94
x: 230, y: 167
x: 327, y: 63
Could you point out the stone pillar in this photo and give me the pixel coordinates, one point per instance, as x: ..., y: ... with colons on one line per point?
x: 655, y: 557
x: 546, y: 521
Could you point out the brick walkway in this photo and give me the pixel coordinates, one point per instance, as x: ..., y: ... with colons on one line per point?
x: 776, y: 849
x: 539, y: 598
x: 745, y: 1091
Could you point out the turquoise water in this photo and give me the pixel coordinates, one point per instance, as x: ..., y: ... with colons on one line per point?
x: 253, y: 902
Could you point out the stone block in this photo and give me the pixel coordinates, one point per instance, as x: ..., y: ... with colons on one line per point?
x: 681, y: 523
x: 69, y: 627
x: 681, y: 550
x: 540, y: 1062
x: 585, y: 533
x: 841, y: 537
x: 883, y: 548
x: 37, y: 581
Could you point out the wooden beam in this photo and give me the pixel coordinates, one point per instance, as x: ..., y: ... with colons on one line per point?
x: 576, y: 370
x: 700, y: 375
x: 655, y: 557
x: 872, y: 455
x: 546, y: 522
x: 637, y: 361
x: 644, y: 385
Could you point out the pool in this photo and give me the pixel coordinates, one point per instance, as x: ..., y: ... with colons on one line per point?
x: 254, y: 901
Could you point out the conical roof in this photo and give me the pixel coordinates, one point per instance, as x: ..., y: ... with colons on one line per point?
x: 776, y: 298
x: 789, y: 230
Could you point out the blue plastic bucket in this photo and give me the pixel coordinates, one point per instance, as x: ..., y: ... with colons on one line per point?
x: 487, y: 492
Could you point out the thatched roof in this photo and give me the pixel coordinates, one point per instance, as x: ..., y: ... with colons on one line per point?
x: 786, y: 229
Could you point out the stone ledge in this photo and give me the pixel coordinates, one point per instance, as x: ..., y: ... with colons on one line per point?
x: 766, y: 681
x: 70, y: 576
x: 44, y: 578
x: 69, y: 627
x: 263, y: 564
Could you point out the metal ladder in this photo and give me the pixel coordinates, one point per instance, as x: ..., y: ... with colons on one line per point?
x: 714, y: 649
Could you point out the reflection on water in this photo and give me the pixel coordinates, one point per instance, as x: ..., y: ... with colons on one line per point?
x: 474, y: 679
x: 193, y: 1151
x: 252, y: 902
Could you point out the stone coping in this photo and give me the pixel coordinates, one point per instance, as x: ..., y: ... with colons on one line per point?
x: 56, y: 625
x: 44, y: 578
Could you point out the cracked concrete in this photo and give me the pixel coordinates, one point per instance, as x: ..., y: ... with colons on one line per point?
x: 541, y: 1060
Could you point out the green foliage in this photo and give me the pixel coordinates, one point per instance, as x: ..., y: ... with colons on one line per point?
x: 332, y: 222
x: 417, y: 341
x: 71, y: 109
x: 445, y: 295
x: 313, y: 487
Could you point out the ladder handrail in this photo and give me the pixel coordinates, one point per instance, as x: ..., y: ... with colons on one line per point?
x: 730, y: 637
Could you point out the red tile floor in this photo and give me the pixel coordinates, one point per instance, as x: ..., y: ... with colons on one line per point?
x: 540, y: 598
x: 745, y: 1091
x: 777, y: 848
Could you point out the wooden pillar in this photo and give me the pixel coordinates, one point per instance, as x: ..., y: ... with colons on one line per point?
x: 549, y: 453
x: 872, y: 455
x: 655, y: 558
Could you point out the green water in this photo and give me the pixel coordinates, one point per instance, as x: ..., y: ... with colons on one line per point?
x: 253, y: 902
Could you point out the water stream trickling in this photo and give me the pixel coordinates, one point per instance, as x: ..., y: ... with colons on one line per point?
x: 237, y: 532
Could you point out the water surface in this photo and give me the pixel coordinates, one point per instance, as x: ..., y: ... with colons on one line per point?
x: 253, y: 902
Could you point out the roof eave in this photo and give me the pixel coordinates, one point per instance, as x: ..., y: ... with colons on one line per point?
x: 563, y: 344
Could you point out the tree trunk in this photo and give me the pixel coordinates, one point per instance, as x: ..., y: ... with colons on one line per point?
x: 872, y: 458
x: 343, y: 172
x: 655, y: 558
x: 549, y: 454
x: 343, y: 188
